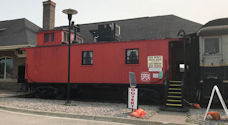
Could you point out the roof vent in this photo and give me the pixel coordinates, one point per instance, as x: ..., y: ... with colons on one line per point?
x: 106, y: 32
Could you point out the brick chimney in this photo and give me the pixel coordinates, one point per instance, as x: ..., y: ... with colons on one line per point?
x: 48, y: 15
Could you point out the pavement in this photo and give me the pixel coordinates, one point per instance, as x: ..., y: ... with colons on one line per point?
x: 18, y: 118
x: 160, y: 118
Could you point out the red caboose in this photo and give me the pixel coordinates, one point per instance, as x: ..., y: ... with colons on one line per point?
x: 104, y: 63
x: 101, y: 64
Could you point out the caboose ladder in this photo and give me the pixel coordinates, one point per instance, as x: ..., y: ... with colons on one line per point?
x: 174, y: 94
x: 174, y: 100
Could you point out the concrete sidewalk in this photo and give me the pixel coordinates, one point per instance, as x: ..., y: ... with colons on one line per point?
x: 159, y: 119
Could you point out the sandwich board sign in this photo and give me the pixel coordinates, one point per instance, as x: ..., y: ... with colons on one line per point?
x: 216, y: 89
x: 133, y: 98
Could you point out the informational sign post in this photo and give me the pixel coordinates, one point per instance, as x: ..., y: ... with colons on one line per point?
x: 133, y: 98
x: 132, y: 79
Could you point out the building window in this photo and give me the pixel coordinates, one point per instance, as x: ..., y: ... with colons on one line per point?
x: 211, y: 45
x: 117, y: 30
x: 46, y: 37
x: 52, y: 37
x: 6, y: 68
x: 87, y: 57
x: 132, y: 56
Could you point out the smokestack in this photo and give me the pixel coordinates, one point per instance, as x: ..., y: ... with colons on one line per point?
x: 48, y: 15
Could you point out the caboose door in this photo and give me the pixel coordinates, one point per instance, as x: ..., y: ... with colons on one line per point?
x: 176, y: 57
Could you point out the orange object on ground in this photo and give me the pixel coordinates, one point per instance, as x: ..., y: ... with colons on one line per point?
x: 192, y: 104
x: 135, y: 114
x: 215, y: 115
x: 140, y: 113
x: 134, y: 110
x: 196, y: 105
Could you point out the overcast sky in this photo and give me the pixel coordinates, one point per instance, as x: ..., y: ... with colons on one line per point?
x: 90, y: 11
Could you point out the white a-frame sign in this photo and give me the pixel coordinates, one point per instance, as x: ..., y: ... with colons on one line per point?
x: 215, y: 88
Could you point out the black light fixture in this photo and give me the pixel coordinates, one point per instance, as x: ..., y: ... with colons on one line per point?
x: 69, y: 13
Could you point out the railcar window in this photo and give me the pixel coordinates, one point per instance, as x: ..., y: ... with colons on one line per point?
x: 66, y: 36
x: 132, y: 56
x: 211, y: 45
x: 52, y: 37
x: 87, y: 57
x: 46, y: 37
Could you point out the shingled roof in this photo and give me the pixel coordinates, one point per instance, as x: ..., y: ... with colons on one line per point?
x: 18, y: 32
x: 158, y: 27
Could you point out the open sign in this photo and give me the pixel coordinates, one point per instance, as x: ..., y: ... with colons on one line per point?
x: 133, y: 98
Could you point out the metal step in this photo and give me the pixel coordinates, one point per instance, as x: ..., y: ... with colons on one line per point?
x: 177, y: 93
x: 176, y: 85
x: 176, y: 105
x: 170, y: 96
x: 174, y: 89
x: 175, y: 82
x: 171, y: 100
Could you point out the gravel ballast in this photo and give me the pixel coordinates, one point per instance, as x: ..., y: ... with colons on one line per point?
x: 103, y: 109
x: 77, y: 107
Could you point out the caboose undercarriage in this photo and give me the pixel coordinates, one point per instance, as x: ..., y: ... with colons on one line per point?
x: 151, y: 93
x: 211, y: 76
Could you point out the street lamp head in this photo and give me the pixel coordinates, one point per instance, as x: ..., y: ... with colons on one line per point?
x: 70, y: 11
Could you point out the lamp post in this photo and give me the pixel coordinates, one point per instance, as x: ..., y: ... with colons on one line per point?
x: 69, y: 13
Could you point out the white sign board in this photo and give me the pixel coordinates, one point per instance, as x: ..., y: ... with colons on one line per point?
x: 133, y: 98
x: 155, y: 75
x: 155, y: 69
x: 155, y: 61
x: 216, y: 89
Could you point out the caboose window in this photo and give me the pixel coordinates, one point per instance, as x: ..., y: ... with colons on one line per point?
x: 87, y: 57
x: 132, y: 56
x: 211, y: 45
x: 46, y: 37
x: 66, y: 37
x: 52, y: 37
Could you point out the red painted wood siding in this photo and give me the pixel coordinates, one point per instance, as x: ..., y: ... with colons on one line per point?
x: 49, y: 64
x: 59, y: 38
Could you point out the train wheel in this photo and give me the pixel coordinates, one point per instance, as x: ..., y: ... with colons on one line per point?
x: 41, y: 92
x: 59, y: 93
x: 125, y: 95
x: 151, y: 96
x: 49, y: 92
